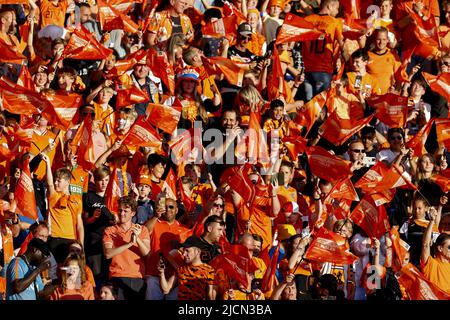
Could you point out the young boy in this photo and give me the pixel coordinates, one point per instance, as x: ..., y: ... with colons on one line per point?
x: 145, y: 208
x: 64, y: 214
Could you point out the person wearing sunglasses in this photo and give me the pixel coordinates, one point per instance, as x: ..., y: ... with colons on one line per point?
x: 397, y: 153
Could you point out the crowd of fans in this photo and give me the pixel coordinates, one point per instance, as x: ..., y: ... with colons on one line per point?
x: 224, y: 150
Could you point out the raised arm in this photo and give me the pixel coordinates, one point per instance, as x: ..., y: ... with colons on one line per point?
x: 48, y: 174
x: 426, y: 241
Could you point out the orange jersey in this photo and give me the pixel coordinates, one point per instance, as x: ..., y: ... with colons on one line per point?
x: 382, y: 67
x: 79, y: 182
x: 63, y: 213
x: 318, y: 54
x: 51, y: 14
x: 193, y: 281
x: 368, y: 84
x: 40, y: 142
x: 86, y: 292
x: 438, y: 272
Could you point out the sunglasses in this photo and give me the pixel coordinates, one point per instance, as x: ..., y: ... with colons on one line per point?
x: 171, y: 207
x: 218, y: 205
x: 446, y: 63
x: 358, y: 150
x: 396, y: 138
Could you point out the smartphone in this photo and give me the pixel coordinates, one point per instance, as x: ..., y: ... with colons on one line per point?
x: 358, y: 82
x: 368, y: 161
x: 281, y: 180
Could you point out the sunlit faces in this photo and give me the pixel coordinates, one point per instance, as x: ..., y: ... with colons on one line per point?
x: 288, y: 174
x: 444, y: 225
x: 188, y: 86
x: 106, y: 293
x: 158, y: 170
x: 65, y: 81
x: 102, y: 184
x: 253, y: 20
x: 417, y: 90
x: 356, y: 151
x: 110, y: 62
x: 191, y: 254
x: 144, y: 190
x: 171, y: 210
x: 42, y: 233
x: 229, y: 120
x: 426, y: 164
x: 444, y: 250
x: 346, y: 230
x: 85, y: 14
x: 359, y: 65
x: 215, y: 230
x: 179, y: 5
x: 381, y: 40
x: 61, y: 184
x: 141, y: 71
x: 125, y: 213
x: 105, y: 95
x: 386, y: 8
x: 274, y: 11
x: 40, y: 79
x: 419, y: 209
x: 277, y: 113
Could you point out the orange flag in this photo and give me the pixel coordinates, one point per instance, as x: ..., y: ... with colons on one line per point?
x: 383, y: 197
x: 10, y: 54
x: 158, y: 62
x: 25, y: 80
x: 439, y: 84
x: 269, y: 281
x: 188, y: 202
x: 327, y: 166
x: 66, y: 105
x: 338, y: 131
x: 328, y: 246
x: 170, y: 185
x: 24, y: 245
x: 24, y: 194
x: 232, y: 70
x: 311, y: 111
x: 400, y: 75
x: 142, y: 134
x: 257, y: 149
x: 23, y: 136
x: 83, y: 46
x: 6, y: 154
x: 372, y: 219
x: 352, y: 9
x: 354, y: 29
x: 343, y: 189
x: 20, y: 100
x: 131, y: 96
x: 110, y: 19
x: 417, y: 143
x: 400, y: 248
x: 185, y: 144
x: 240, y: 182
x: 295, y: 29
x: 391, y: 109
x: 83, y: 141
x: 164, y: 117
x: 442, y: 179
x: 276, y: 84
x: 443, y: 131
x: 221, y: 27
x: 295, y: 145
x: 113, y: 193
x: 418, y: 287
x: 122, y: 66
x: 124, y: 6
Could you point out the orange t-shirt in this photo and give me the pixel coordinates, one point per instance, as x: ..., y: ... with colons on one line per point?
x: 193, y: 281
x: 368, y: 84
x: 129, y: 263
x: 318, y: 54
x: 163, y: 236
x: 382, y: 67
x: 437, y: 272
x: 79, y: 182
x: 84, y: 293
x: 40, y: 142
x: 51, y: 14
x: 286, y: 195
x: 63, y: 213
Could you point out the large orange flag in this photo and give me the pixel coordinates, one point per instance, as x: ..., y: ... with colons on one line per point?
x: 164, y: 117
x: 338, y: 131
x: 112, y: 193
x: 400, y: 75
x: 20, y: 100
x: 161, y: 67
x: 391, y: 109
x: 83, y: 46
x: 311, y: 111
x: 25, y: 80
x: 142, y: 134
x: 328, y: 246
x: 295, y: 29
x: 122, y: 66
x: 221, y: 27
x: 85, y: 145
x: 240, y: 182
x: 24, y: 193
x: 170, y: 185
x: 66, y: 105
x: 327, y: 166
x: 10, y: 54
x: 269, y: 281
x: 443, y: 131
x: 295, y: 145
x: 131, y: 96
x: 111, y: 19
x: 232, y: 70
x: 418, y: 287
x: 442, y: 179
x: 417, y: 143
x: 276, y: 85
x: 372, y: 219
x: 125, y: 6
x: 343, y: 189
x: 400, y: 248
x: 257, y: 149
x: 439, y: 84
x: 185, y: 145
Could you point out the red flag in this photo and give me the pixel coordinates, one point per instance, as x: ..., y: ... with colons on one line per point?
x: 417, y: 143
x: 164, y: 117
x: 442, y: 179
x: 343, y: 189
x: 400, y: 249
x: 111, y: 19
x: 338, y: 131
x: 186, y: 144
x: 276, y: 84
x: 439, y: 84
x: 10, y: 54
x: 443, y: 131
x: 311, y: 111
x: 232, y: 70
x: 295, y: 145
x: 352, y: 9
x: 142, y: 134
x: 188, y: 202
x: 161, y: 67
x: 20, y: 100
x: 131, y: 96
x: 295, y: 29
x: 327, y: 166
x: 83, y: 46
x: 401, y: 75
x: 391, y: 109
x: 328, y: 246
x: 418, y: 287
x: 372, y: 219
x: 112, y: 193
x: 170, y: 185
x: 269, y: 280
x: 25, y: 80
x: 239, y: 182
x: 383, y: 197
x: 83, y: 141
x: 354, y: 29
x: 24, y: 193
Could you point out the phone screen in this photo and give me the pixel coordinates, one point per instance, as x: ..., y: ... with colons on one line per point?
x: 281, y: 180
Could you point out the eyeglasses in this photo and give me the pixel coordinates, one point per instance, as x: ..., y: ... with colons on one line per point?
x: 245, y: 37
x: 171, y: 207
x: 446, y: 63
x: 396, y: 138
x: 358, y: 150
x: 218, y: 205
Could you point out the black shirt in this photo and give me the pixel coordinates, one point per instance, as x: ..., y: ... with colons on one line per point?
x: 209, y: 251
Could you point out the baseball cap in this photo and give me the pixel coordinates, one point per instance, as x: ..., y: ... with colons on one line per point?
x: 290, y: 207
x: 285, y: 231
x: 193, y: 241
x: 245, y: 29
x: 40, y: 245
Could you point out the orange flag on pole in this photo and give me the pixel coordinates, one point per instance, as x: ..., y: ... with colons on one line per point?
x: 327, y: 166
x: 372, y: 219
x: 338, y: 131
x: 221, y: 27
x: 161, y: 67
x: 10, y: 54
x: 417, y: 143
x: 442, y: 179
x: 130, y: 96
x: 295, y: 145
x: 85, y: 145
x: 269, y: 280
x: 311, y: 111
x: 66, y: 105
x: 391, y: 109
x: 24, y: 193
x: 443, y: 131
x: 232, y: 70
x: 400, y: 75
x: 142, y: 134
x: 25, y: 80
x: 439, y: 84
x: 83, y: 46
x: 170, y: 185
x: 400, y: 248
x: 239, y: 182
x: 110, y: 19
x: 20, y: 100
x: 296, y: 29
x: 328, y: 246
x: 112, y: 193
x: 276, y: 85
x: 343, y: 189
x: 164, y: 117
x: 185, y: 145
x: 257, y: 149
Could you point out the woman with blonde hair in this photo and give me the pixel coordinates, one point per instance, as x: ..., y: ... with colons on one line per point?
x: 249, y: 99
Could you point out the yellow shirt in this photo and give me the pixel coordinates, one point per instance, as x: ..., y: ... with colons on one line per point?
x: 438, y: 272
x: 286, y: 195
